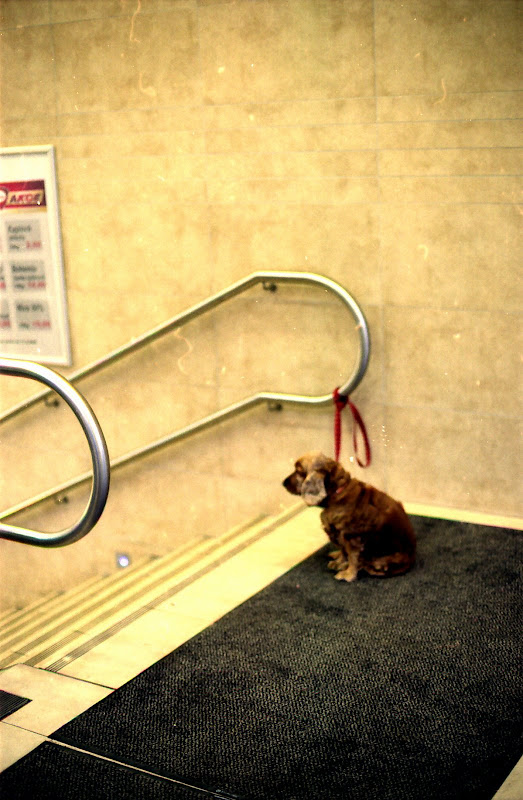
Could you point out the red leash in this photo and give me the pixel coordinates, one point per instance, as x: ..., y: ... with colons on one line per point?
x: 340, y: 401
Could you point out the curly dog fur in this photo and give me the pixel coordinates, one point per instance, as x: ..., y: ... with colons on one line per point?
x: 371, y: 530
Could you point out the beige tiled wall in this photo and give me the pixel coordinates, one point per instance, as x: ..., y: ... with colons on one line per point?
x: 371, y: 141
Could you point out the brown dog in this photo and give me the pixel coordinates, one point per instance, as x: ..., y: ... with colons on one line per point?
x: 372, y: 531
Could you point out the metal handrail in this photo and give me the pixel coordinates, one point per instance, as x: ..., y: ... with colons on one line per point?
x: 99, y: 456
x: 269, y: 280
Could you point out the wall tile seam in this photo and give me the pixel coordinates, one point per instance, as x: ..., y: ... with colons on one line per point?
x: 124, y: 16
x: 447, y: 176
x: 207, y: 105
x: 256, y: 153
x: 217, y: 128
x: 467, y: 120
x: 352, y: 123
x: 443, y: 309
x: 292, y: 177
x: 465, y: 148
x: 260, y: 127
x: 289, y: 102
x: 481, y: 413
x: 261, y: 148
x: 20, y: 28
x: 424, y: 121
x: 356, y: 175
x: 446, y: 120
x: 6, y: 118
x: 253, y: 151
x: 382, y: 380
x: 286, y: 125
x: 289, y: 180
x: 396, y: 203
x: 202, y: 132
x: 371, y: 172
x: 333, y: 204
x: 329, y: 101
x: 462, y: 93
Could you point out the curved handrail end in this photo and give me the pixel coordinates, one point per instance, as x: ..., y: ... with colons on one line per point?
x: 97, y: 447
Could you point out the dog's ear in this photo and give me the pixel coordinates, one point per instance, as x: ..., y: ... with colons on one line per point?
x: 332, y: 470
x: 313, y: 489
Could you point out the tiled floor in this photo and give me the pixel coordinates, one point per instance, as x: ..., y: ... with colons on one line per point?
x: 55, y: 699
x: 248, y: 563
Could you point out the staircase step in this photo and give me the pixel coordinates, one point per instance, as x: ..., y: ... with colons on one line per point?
x: 42, y: 613
x: 14, y: 614
x: 40, y: 635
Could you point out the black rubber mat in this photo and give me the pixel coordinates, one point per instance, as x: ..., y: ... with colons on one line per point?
x: 9, y: 703
x: 58, y: 772
x: 396, y: 689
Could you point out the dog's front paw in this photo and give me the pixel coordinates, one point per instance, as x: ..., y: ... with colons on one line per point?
x: 338, y: 560
x: 347, y: 575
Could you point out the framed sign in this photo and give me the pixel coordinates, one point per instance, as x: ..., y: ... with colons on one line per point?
x: 33, y: 304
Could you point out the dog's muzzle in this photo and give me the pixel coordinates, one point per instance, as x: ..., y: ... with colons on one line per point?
x: 313, y: 489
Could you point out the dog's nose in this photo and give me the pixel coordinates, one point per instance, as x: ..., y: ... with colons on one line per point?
x: 290, y: 484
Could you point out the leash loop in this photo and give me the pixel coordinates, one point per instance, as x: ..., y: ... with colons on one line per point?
x: 340, y: 401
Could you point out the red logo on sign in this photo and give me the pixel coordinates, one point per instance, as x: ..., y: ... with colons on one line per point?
x: 22, y: 194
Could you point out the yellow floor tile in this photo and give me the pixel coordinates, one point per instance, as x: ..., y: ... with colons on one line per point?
x: 56, y: 699
x: 15, y: 743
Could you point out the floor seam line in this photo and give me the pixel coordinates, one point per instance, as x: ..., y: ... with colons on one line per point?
x: 141, y: 770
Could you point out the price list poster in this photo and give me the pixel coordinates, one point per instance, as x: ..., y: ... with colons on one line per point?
x: 33, y: 307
